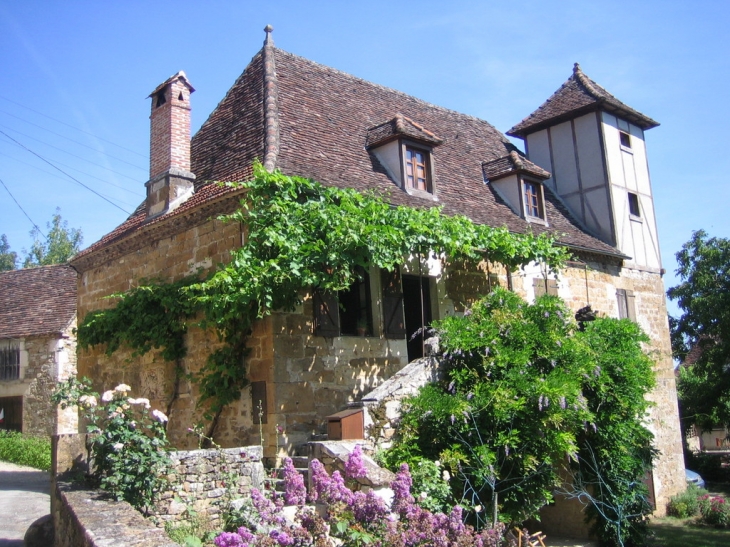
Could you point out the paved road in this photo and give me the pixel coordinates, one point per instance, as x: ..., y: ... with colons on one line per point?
x: 24, y: 498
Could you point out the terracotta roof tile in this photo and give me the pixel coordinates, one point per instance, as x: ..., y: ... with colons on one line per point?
x: 578, y: 95
x: 325, y: 118
x: 510, y: 164
x: 400, y: 126
x: 37, y: 301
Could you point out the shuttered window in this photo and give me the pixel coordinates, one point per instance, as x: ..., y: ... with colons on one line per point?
x: 394, y: 325
x: 626, y: 304
x: 545, y: 286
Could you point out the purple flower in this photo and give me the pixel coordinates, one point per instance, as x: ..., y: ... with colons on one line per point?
x: 246, y: 534
x: 295, y: 493
x: 282, y: 538
x: 562, y: 403
x: 368, y: 508
x: 229, y: 539
x: 354, y: 466
x: 401, y: 487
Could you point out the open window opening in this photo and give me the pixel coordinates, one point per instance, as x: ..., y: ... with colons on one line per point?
x: 634, y: 209
x: 345, y: 313
x: 417, y: 312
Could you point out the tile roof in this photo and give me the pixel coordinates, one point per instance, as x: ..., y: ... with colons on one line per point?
x: 400, y: 126
x: 321, y: 124
x: 37, y: 301
x: 577, y: 96
x: 510, y: 164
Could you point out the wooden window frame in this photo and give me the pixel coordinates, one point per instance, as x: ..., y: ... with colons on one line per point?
x: 527, y: 200
x: 625, y: 139
x: 634, y: 205
x: 329, y: 311
x: 427, y: 165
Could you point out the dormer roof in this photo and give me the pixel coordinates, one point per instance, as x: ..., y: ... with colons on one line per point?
x: 577, y: 96
x: 511, y: 164
x: 400, y: 126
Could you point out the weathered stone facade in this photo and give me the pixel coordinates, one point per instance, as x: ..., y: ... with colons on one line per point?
x: 37, y: 322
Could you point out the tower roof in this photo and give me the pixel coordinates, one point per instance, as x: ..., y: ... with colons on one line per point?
x: 577, y: 96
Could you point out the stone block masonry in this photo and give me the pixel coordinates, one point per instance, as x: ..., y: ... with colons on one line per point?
x: 206, y: 480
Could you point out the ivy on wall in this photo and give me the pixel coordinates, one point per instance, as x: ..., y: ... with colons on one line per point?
x: 300, y: 234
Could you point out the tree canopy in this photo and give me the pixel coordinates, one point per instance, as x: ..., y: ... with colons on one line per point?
x: 8, y: 258
x: 57, y: 247
x: 526, y: 394
x: 703, y: 329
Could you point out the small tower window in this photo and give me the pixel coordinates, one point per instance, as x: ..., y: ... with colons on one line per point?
x: 625, y: 139
x: 634, y: 209
x: 160, y: 99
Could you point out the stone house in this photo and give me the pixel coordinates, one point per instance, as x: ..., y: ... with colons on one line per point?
x: 37, y: 347
x: 584, y: 178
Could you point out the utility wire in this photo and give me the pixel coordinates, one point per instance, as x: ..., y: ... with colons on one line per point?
x: 21, y: 208
x: 71, y: 126
x: 70, y: 154
x: 133, y: 192
x: 64, y: 172
x: 68, y: 139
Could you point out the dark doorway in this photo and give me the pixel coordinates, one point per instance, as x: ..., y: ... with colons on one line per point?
x: 11, y: 411
x: 417, y: 311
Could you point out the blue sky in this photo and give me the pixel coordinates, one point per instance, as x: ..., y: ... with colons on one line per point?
x: 74, y: 77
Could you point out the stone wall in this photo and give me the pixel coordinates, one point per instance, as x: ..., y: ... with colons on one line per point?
x: 89, y: 518
x: 45, y: 360
x: 203, y: 480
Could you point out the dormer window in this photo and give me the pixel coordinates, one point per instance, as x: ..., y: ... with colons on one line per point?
x: 405, y: 149
x: 532, y: 192
x: 417, y: 172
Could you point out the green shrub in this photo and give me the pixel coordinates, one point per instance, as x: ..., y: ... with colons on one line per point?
x: 686, y: 504
x: 25, y: 450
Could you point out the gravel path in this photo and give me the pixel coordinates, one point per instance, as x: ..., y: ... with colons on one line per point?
x: 24, y: 498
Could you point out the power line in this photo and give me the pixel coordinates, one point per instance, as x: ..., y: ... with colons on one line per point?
x: 70, y: 154
x: 21, y: 208
x: 69, y: 139
x: 133, y: 192
x: 64, y: 172
x: 72, y: 127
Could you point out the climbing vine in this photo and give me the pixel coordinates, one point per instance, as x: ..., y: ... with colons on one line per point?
x: 300, y: 234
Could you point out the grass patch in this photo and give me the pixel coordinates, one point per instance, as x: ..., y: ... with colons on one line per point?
x: 25, y: 450
x: 670, y: 532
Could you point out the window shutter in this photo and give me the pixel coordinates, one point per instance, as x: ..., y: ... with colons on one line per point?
x: 539, y: 285
x: 631, y: 305
x: 326, y: 315
x: 258, y: 402
x: 393, y: 322
x: 623, y: 312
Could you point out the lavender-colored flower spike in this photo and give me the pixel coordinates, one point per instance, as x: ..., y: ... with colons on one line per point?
x: 354, y: 466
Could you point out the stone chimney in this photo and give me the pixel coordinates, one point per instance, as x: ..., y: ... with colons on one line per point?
x: 171, y: 181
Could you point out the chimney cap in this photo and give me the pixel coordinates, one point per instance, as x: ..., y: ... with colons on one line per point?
x: 179, y: 76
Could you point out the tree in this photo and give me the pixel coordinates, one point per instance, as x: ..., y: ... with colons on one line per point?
x: 8, y: 258
x: 61, y: 243
x: 526, y: 393
x: 704, y: 326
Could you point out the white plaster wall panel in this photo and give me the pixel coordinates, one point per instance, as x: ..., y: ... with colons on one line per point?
x: 509, y: 190
x: 639, y: 238
x: 598, y: 212
x: 613, y: 149
x: 590, y: 155
x: 538, y: 150
x: 389, y: 157
x: 629, y: 171
x: 623, y: 231
x: 651, y: 239
x: 565, y: 171
x: 641, y: 164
